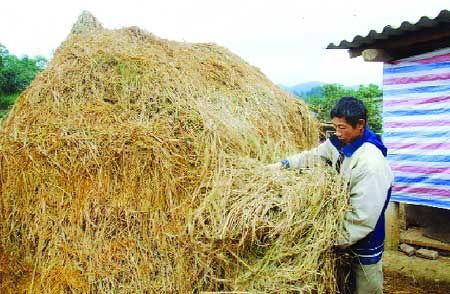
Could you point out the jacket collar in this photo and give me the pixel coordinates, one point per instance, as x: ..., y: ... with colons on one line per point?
x: 368, y: 136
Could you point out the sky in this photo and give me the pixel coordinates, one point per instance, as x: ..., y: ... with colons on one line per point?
x: 285, y: 39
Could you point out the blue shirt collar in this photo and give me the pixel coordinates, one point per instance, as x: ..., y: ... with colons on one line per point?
x: 368, y: 136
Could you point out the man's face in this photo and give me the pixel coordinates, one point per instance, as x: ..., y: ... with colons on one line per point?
x: 345, y: 132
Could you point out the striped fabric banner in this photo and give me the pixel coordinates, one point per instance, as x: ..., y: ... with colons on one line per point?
x: 416, y: 115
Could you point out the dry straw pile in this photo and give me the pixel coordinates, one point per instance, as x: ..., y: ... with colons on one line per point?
x: 134, y: 164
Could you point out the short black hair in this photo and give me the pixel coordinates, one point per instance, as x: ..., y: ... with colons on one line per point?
x: 350, y: 108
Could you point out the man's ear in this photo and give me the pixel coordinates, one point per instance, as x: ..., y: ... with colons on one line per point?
x: 361, y: 123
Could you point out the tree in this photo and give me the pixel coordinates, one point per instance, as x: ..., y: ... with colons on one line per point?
x: 17, y: 73
x: 371, y: 95
x: 3, y: 54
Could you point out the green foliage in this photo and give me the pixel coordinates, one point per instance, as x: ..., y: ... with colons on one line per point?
x: 6, y: 102
x: 3, y: 52
x: 17, y: 73
x: 371, y: 95
x: 308, y: 95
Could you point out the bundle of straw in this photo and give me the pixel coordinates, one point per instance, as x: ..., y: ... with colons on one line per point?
x: 134, y: 164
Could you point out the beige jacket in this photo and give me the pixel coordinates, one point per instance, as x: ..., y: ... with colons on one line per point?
x: 369, y: 177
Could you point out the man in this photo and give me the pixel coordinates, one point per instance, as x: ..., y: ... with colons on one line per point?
x: 359, y: 154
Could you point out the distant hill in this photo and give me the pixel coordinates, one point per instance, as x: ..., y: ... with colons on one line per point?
x: 302, y: 89
x: 305, y: 90
x: 306, y: 87
x: 309, y: 89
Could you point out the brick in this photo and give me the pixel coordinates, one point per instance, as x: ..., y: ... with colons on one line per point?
x: 425, y: 253
x: 407, y: 249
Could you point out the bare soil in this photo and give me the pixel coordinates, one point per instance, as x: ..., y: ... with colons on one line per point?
x: 415, y: 275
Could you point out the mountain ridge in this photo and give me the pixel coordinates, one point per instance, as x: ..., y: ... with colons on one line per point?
x: 310, y: 88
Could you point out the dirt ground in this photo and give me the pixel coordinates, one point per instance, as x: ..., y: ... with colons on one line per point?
x: 415, y: 275
x: 402, y: 274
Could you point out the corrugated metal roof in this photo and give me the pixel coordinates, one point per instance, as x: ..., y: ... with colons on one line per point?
x: 389, y: 32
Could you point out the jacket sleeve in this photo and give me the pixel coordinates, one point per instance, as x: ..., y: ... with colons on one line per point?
x: 370, y: 181
x: 311, y: 157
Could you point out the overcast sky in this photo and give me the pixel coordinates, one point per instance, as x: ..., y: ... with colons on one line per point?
x: 285, y: 39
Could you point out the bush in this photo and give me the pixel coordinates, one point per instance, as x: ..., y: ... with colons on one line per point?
x: 371, y: 96
x: 6, y: 103
x: 17, y: 73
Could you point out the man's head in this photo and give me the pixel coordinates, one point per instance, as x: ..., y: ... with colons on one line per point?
x: 349, y: 116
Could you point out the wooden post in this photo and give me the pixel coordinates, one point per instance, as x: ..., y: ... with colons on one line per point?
x: 392, y: 226
x: 402, y: 217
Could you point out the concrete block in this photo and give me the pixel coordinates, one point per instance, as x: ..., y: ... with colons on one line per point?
x: 407, y: 249
x: 425, y: 253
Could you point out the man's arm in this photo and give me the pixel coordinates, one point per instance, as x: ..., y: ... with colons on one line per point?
x: 306, y: 158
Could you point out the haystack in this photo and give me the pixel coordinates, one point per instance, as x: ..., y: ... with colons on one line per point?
x: 134, y: 164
